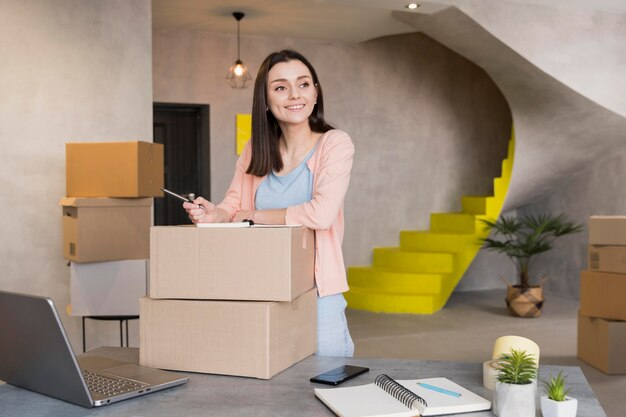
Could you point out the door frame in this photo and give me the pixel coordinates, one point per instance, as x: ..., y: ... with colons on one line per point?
x: 204, y: 144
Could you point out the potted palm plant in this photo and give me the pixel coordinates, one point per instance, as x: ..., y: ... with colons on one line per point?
x: 522, y: 239
x: 515, y: 385
x: 556, y: 402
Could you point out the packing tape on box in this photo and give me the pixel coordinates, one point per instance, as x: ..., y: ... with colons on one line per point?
x: 490, y: 374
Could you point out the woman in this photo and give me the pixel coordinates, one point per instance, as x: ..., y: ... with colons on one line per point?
x: 295, y: 170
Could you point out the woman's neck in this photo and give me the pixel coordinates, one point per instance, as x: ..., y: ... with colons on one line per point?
x: 296, y: 139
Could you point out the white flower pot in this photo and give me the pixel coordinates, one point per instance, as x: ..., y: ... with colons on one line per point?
x: 510, y: 400
x: 551, y: 408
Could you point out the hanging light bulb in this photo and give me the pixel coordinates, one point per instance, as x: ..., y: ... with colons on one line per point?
x: 238, y: 75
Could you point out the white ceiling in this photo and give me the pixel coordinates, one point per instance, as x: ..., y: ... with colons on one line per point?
x: 324, y: 20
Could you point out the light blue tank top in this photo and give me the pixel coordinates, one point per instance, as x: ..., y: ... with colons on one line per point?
x: 282, y: 191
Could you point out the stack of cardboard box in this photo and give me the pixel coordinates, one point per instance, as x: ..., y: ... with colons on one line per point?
x: 229, y: 300
x: 106, y: 223
x: 602, y: 316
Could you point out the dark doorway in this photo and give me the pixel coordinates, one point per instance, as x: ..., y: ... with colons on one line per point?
x: 184, y: 131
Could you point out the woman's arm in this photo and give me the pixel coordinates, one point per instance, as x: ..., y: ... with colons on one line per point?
x: 333, y: 177
x: 274, y: 216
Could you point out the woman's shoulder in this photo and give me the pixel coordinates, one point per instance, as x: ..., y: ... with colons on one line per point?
x: 336, y: 138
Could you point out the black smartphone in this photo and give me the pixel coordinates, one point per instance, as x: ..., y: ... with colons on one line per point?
x: 339, y: 375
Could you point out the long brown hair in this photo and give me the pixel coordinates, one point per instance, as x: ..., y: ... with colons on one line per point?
x: 265, y: 129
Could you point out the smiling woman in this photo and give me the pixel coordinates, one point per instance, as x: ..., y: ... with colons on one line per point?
x: 295, y: 170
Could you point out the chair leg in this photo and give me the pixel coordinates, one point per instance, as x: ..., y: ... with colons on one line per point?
x: 84, y: 336
x: 121, y: 337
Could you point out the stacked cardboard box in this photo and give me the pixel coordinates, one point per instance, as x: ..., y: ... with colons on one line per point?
x: 602, y: 316
x: 106, y: 223
x: 233, y: 301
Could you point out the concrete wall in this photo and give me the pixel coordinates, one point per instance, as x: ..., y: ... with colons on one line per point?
x: 71, y: 71
x: 429, y: 126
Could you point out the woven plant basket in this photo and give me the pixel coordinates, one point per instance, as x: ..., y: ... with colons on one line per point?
x: 524, y: 302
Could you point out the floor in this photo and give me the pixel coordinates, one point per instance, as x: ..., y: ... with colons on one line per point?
x: 476, y: 320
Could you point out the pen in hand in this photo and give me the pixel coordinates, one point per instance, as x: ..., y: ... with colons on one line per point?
x: 188, y: 199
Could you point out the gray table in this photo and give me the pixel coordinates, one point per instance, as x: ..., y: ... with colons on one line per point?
x: 287, y: 394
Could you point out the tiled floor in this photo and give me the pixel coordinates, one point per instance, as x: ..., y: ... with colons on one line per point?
x: 466, y: 329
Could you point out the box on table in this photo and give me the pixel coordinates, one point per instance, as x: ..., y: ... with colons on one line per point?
x: 231, y: 263
x: 106, y: 229
x: 602, y: 294
x: 607, y: 230
x: 114, y: 169
x: 244, y: 338
x: 108, y: 288
x: 602, y: 343
x: 607, y: 258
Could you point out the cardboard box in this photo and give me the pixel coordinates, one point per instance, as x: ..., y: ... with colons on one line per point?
x: 607, y: 230
x: 602, y: 294
x: 108, y: 288
x: 607, y: 258
x: 244, y: 338
x: 106, y: 229
x: 226, y: 263
x: 602, y: 343
x: 114, y: 169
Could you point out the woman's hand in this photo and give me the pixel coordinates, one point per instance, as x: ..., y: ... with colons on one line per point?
x: 197, y: 214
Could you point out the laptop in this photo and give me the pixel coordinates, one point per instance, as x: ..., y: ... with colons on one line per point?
x: 36, y: 354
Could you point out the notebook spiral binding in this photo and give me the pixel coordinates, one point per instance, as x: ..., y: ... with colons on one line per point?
x: 397, y: 391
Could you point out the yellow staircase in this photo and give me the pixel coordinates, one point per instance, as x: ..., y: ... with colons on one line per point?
x: 419, y: 276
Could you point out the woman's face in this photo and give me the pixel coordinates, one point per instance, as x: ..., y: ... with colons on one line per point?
x: 291, y: 94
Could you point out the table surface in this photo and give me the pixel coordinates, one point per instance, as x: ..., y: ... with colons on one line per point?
x: 287, y: 394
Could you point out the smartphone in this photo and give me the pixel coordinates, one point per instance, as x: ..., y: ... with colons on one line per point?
x: 339, y: 375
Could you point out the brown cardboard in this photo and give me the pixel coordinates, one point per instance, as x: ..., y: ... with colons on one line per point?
x: 607, y: 258
x: 607, y: 230
x: 114, y: 169
x: 244, y: 338
x: 602, y: 294
x: 602, y: 343
x: 226, y: 263
x: 106, y: 229
x: 108, y: 288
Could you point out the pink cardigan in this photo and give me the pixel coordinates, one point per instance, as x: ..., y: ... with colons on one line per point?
x: 330, y: 164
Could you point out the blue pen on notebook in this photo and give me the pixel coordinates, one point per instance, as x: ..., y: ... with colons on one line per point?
x: 439, y: 389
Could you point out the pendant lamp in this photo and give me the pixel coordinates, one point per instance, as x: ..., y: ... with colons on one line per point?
x: 238, y: 75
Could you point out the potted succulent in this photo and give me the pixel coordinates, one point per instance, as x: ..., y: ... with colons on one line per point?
x: 556, y: 402
x: 516, y: 385
x: 522, y: 239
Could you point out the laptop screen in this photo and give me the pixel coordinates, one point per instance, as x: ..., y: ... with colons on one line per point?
x: 35, y: 351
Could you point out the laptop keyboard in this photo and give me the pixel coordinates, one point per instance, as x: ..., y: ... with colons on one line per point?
x: 109, y: 386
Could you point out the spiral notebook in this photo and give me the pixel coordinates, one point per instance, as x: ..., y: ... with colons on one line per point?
x: 388, y: 397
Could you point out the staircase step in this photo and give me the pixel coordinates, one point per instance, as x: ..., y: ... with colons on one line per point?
x: 424, y: 241
x: 507, y: 168
x: 453, y: 223
x: 410, y: 261
x: 480, y: 205
x: 500, y: 187
x: 385, y: 280
x: 511, y: 149
x: 361, y: 299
